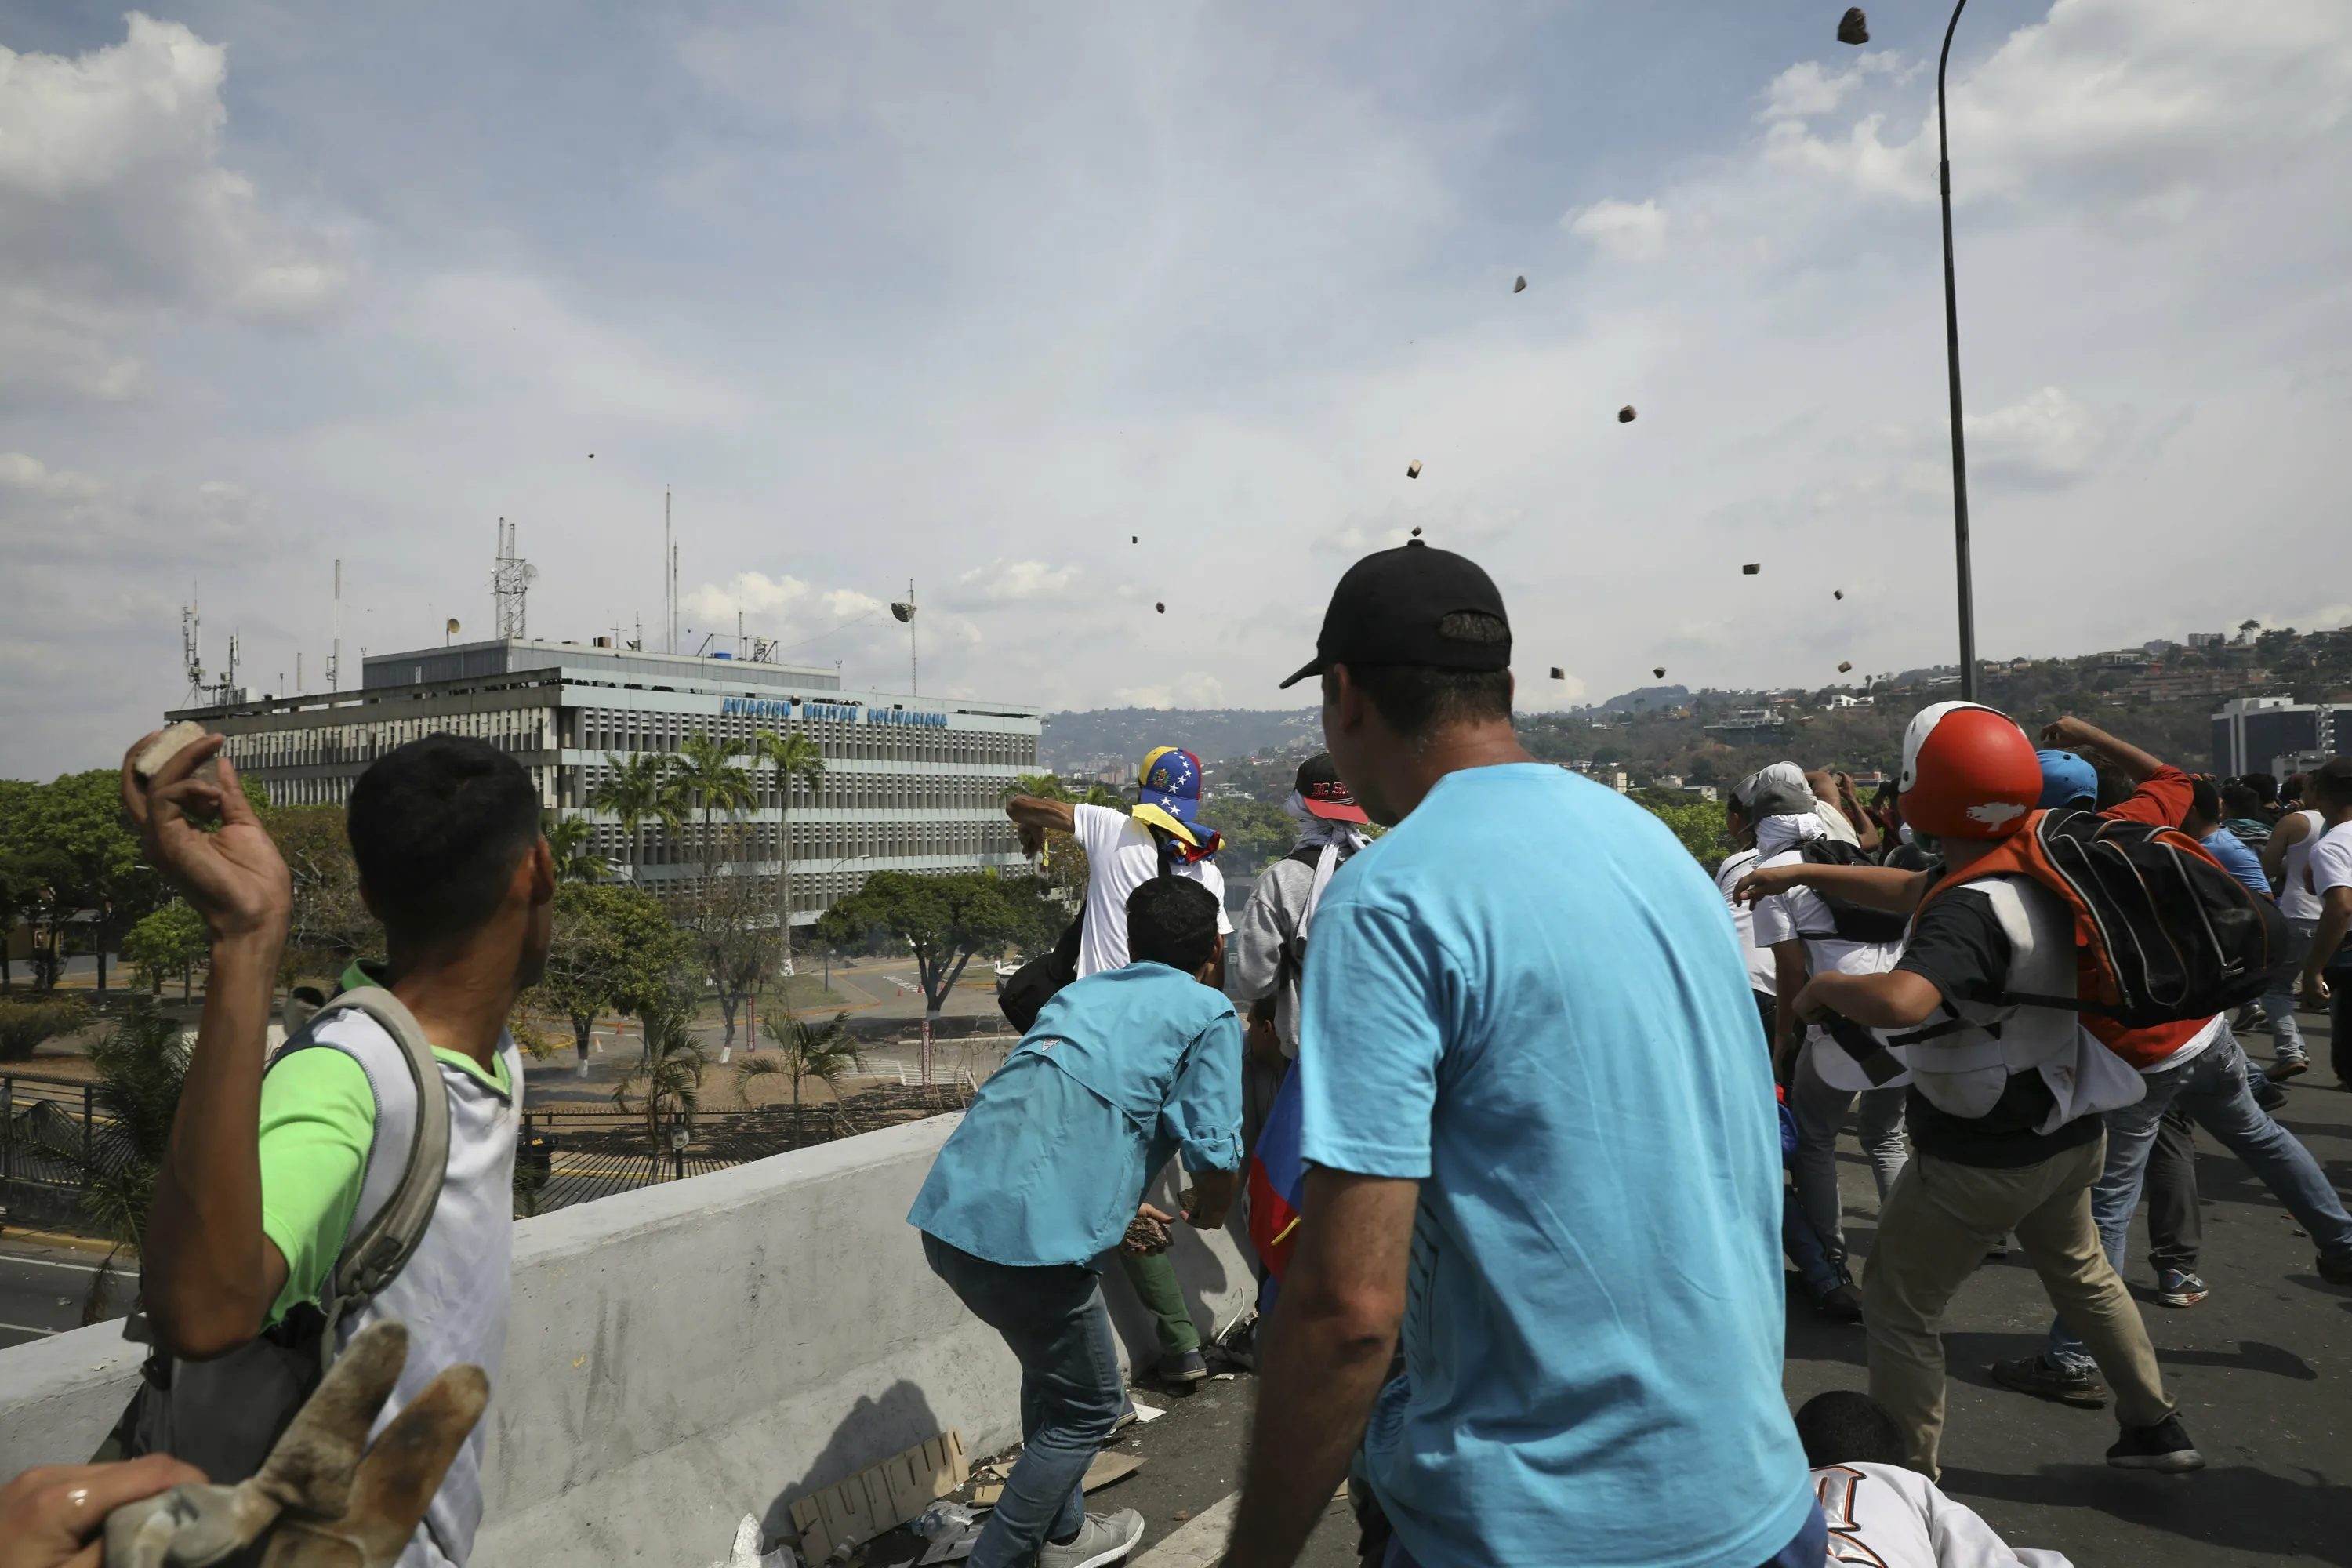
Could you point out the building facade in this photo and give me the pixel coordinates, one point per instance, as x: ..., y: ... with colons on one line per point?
x: 2275, y: 735
x: 909, y: 784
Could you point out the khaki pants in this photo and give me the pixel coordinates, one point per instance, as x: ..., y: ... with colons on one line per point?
x: 1936, y: 1227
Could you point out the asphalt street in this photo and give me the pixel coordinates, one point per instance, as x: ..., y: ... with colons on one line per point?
x: 42, y: 1289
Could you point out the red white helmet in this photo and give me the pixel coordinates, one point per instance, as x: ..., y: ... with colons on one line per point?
x: 1969, y: 771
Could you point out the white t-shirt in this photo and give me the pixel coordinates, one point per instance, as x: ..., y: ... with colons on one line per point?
x: 2296, y: 901
x: 1894, y: 1517
x: 1121, y: 856
x: 1758, y: 959
x: 1785, y: 917
x: 2329, y: 864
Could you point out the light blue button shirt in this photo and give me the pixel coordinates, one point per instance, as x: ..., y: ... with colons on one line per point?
x: 1527, y: 997
x: 1122, y: 1070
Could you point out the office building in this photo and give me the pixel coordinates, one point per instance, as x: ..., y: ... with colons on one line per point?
x: 910, y: 784
x: 2257, y: 734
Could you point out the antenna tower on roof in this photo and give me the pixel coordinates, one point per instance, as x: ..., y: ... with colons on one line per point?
x: 511, y: 581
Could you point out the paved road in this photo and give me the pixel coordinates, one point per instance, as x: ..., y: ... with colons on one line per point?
x: 2262, y: 1371
x: 42, y: 1289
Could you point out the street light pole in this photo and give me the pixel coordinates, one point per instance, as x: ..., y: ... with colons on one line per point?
x: 1952, y: 362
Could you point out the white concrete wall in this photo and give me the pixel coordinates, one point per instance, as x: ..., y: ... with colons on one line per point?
x: 687, y: 1353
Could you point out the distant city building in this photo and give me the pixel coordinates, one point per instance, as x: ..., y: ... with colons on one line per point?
x: 2208, y: 639
x: 1748, y: 726
x: 2186, y: 685
x: 2254, y: 734
x: 909, y: 784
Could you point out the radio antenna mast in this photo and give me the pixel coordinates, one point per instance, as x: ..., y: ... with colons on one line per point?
x: 335, y: 652
x: 904, y: 610
x: 191, y: 646
x: 511, y: 581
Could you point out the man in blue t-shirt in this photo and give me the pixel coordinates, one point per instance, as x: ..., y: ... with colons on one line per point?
x: 1122, y: 1070
x: 1586, y: 1271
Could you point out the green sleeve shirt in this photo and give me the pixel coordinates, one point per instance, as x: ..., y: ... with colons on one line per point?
x: 318, y: 1122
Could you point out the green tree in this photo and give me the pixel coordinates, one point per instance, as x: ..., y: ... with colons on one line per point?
x: 329, y: 924
x: 171, y: 941
x: 88, y: 859
x: 947, y: 919
x: 140, y: 1065
x: 571, y: 841
x: 1697, y: 823
x: 796, y: 759
x: 639, y: 790
x: 668, y: 1083
x: 705, y: 772
x: 805, y: 1051
x: 613, y: 950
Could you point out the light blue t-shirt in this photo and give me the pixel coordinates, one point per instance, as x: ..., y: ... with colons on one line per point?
x: 1121, y: 1070
x: 2237, y: 859
x: 1528, y: 996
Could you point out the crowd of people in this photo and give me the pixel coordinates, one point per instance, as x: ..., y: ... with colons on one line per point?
x: 1531, y: 1272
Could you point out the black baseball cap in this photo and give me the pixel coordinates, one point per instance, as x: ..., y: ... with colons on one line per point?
x: 1386, y: 610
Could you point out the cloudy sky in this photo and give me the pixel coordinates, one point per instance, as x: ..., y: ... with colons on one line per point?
x: 975, y: 295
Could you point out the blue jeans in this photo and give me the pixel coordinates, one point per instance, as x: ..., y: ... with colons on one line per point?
x: 2286, y: 1035
x: 2212, y: 1089
x: 1055, y: 1325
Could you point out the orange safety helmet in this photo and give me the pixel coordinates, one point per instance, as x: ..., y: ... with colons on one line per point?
x: 1969, y: 771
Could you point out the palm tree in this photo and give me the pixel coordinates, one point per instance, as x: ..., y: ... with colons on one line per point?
x: 569, y: 841
x: 822, y: 1052
x: 707, y: 772
x: 670, y: 1073
x: 140, y: 1066
x: 794, y: 757
x: 639, y: 790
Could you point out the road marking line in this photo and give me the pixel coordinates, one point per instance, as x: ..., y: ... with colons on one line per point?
x: 54, y: 1263
x: 1198, y: 1544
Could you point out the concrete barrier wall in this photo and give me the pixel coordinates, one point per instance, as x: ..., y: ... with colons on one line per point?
x: 683, y: 1354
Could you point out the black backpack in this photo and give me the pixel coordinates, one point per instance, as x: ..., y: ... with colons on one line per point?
x: 1034, y: 983
x: 2174, y: 936
x: 1850, y: 921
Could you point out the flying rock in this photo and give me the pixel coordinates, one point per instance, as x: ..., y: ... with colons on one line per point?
x: 1557, y: 673
x: 1837, y: 593
x: 1162, y: 608
x: 1519, y: 284
x: 1844, y: 665
x: 1625, y: 414
x: 1412, y: 470
x: 1660, y: 672
x: 1853, y: 27
x: 1752, y: 569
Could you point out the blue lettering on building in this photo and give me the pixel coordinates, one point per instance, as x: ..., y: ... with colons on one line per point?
x: 841, y: 713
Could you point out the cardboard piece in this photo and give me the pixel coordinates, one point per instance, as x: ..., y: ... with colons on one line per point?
x: 880, y: 1497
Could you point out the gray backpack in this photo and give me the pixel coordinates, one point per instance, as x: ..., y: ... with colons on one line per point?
x: 225, y: 1415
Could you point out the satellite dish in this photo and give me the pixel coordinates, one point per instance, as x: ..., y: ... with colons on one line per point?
x: 530, y: 573
x: 453, y: 625
x: 904, y: 611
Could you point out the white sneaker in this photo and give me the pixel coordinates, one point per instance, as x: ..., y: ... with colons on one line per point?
x: 1103, y: 1538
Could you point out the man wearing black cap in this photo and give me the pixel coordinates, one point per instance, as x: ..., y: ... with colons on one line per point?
x: 1586, y: 1273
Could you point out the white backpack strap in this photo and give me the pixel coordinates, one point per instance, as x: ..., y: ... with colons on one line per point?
x: 375, y: 1253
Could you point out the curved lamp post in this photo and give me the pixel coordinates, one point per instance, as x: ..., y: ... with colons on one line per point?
x: 1851, y: 30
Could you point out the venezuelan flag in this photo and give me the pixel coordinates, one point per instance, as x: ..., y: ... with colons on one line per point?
x: 1278, y: 1178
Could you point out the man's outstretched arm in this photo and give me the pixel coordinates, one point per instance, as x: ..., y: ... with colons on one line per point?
x: 1329, y: 1353
x: 208, y: 1274
x: 1036, y: 816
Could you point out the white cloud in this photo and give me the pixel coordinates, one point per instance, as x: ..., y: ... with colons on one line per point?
x: 1630, y: 231
x: 748, y: 593
x: 2106, y: 106
x: 1194, y: 689
x: 1018, y: 581
x: 114, y: 203
x: 2046, y: 438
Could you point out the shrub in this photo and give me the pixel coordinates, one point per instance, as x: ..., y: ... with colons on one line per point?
x: 25, y: 1025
